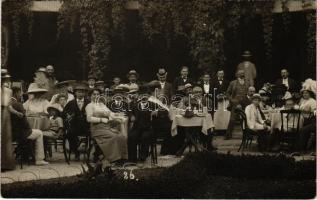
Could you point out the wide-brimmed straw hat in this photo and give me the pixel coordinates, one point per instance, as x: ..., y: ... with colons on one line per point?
x: 65, y: 83
x: 5, y: 74
x: 188, y: 85
x: 41, y: 69
x: 34, y: 88
x: 132, y: 72
x: 55, y: 106
x: 246, y: 54
x: 256, y: 96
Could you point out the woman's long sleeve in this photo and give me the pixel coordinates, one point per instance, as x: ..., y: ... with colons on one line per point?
x: 89, y: 113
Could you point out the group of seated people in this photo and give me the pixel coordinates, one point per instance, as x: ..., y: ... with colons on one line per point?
x: 142, y: 110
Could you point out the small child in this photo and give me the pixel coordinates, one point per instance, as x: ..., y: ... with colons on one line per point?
x: 56, y: 122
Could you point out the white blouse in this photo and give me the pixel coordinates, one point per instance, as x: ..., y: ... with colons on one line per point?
x: 36, y: 106
x: 96, y: 111
x: 308, y: 105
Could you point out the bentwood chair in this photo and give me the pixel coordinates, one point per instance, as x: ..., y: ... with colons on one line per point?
x: 24, y: 151
x: 49, y: 143
x: 248, y: 135
x: 290, y: 126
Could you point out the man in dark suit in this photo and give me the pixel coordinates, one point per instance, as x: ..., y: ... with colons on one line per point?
x: 220, y: 85
x: 118, y: 102
x: 206, y: 85
x: 75, y: 117
x: 181, y: 81
x: 160, y: 121
x: 290, y: 84
x: 141, y: 132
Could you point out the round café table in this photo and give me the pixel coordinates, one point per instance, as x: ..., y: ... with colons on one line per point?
x: 203, y: 120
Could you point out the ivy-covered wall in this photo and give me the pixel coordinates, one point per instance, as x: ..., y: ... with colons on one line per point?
x: 103, y: 38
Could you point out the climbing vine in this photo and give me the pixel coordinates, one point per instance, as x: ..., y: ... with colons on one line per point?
x: 311, y: 36
x: 12, y: 13
x: 99, y: 21
x: 201, y: 23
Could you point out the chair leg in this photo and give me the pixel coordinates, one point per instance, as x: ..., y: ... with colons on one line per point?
x: 250, y: 142
x: 242, y: 143
x: 155, y: 153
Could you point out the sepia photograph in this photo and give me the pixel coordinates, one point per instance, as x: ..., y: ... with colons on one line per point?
x: 158, y: 99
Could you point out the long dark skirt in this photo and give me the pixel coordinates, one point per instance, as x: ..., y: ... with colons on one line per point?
x: 7, y: 159
x: 111, y: 142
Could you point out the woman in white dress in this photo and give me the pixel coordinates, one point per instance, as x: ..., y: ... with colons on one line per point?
x: 105, y: 129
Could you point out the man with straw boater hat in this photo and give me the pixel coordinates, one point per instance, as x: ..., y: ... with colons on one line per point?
x: 248, y: 67
x: 75, y: 114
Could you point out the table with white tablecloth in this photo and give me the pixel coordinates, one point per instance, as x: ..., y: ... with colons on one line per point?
x: 203, y: 120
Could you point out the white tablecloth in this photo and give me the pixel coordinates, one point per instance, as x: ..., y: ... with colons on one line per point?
x: 205, y: 122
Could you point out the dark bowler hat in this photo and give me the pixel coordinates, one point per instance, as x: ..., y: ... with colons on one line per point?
x: 132, y: 72
x: 246, y: 54
x: 161, y: 72
x: 81, y: 86
x: 91, y: 76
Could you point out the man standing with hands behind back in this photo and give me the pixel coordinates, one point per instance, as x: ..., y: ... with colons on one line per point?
x: 248, y: 67
x: 237, y: 93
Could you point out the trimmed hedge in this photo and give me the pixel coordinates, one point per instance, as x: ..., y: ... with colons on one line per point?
x: 198, y: 175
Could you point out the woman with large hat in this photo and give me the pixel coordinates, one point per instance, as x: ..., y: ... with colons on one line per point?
x: 307, y: 103
x: 7, y: 160
x: 36, y: 105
